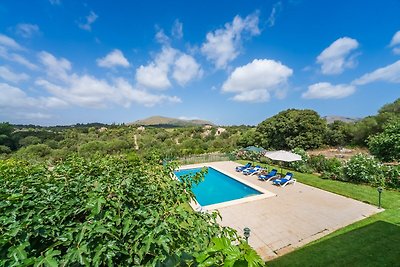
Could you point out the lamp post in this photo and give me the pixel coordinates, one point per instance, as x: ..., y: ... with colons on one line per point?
x: 246, y: 233
x: 379, y: 189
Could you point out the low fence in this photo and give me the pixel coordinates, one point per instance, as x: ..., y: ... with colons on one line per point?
x: 193, y: 159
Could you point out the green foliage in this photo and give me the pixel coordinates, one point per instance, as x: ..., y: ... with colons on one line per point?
x: 4, y: 149
x: 223, y: 253
x: 386, y: 145
x: 373, y: 125
x: 292, y: 128
x: 104, y: 211
x: 6, y: 128
x: 338, y: 134
x: 34, y: 152
x: 29, y: 140
x: 247, y: 138
x: 329, y: 168
x: 364, y: 169
x: 301, y: 165
x: 392, y: 176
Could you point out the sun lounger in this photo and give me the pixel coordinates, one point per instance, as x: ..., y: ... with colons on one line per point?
x: 241, y: 168
x: 288, y: 179
x: 252, y: 170
x: 269, y: 176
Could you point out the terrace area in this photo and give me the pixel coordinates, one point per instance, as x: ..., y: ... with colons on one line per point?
x: 288, y: 217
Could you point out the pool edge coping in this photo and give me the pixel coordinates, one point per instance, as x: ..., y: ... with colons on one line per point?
x: 197, y: 207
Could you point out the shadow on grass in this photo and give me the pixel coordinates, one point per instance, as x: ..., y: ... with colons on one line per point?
x: 377, y: 244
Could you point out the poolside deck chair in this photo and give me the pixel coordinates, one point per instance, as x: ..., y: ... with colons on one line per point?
x: 288, y: 179
x: 241, y: 168
x: 250, y: 171
x: 269, y: 176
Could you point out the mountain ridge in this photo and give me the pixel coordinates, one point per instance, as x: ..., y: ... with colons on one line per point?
x: 173, y: 122
x: 332, y: 118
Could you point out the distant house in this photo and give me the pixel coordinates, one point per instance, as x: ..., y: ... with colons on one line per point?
x: 220, y: 131
x: 141, y: 128
x: 102, y: 129
x: 207, y: 127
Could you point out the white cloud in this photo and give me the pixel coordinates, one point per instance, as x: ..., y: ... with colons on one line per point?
x: 255, y: 81
x: 223, y: 45
x: 326, y: 90
x: 16, y: 58
x: 27, y: 30
x: 390, y: 73
x: 55, y: 68
x: 155, y: 74
x: 186, y: 69
x: 395, y: 43
x: 141, y: 96
x: 13, y: 97
x: 90, y: 19
x: 9, y: 42
x: 162, y: 38
x: 177, y: 30
x: 33, y: 115
x: 87, y: 91
x: 10, y: 76
x: 395, y: 39
x: 113, y: 59
x: 276, y: 9
x: 338, y: 56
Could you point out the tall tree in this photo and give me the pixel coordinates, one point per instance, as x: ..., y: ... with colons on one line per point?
x: 292, y: 128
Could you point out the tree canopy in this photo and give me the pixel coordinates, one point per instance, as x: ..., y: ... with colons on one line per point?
x: 292, y: 128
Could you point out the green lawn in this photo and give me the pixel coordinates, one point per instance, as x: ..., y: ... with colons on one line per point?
x: 374, y: 241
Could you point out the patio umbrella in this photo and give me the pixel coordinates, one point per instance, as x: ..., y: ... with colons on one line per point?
x: 282, y: 155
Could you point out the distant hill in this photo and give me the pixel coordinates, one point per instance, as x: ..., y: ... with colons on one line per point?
x: 331, y: 119
x: 170, y: 122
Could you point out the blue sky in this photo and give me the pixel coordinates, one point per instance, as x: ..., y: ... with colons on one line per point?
x: 231, y: 62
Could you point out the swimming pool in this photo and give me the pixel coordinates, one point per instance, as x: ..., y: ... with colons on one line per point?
x: 218, y: 187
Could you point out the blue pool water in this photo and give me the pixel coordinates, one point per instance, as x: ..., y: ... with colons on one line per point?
x: 217, y: 187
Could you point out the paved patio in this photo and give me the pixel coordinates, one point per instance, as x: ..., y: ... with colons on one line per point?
x: 290, y: 217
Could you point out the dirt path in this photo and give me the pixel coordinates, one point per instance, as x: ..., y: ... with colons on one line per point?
x: 135, y: 140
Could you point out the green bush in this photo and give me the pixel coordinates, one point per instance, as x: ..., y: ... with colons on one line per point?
x: 107, y: 211
x: 302, y: 165
x: 329, y: 168
x: 392, y: 177
x: 4, y: 149
x: 386, y: 145
x: 364, y: 169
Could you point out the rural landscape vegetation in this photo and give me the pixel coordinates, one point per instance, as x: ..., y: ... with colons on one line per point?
x: 103, y: 103
x: 101, y: 194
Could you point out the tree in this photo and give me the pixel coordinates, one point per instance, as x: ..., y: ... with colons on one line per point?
x: 386, y: 145
x: 292, y: 128
x: 338, y: 133
x: 5, y: 135
x: 29, y: 140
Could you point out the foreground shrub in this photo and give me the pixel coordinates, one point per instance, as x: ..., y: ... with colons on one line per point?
x: 106, y: 211
x: 364, y: 169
